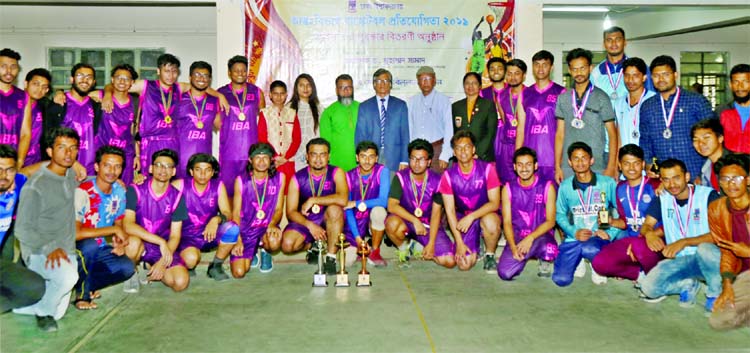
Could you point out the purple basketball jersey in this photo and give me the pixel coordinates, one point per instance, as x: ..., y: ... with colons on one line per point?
x: 410, y: 202
x: 79, y: 116
x: 305, y: 191
x: 249, y: 222
x: 114, y: 130
x: 371, y: 187
x: 238, y: 135
x: 12, y: 106
x: 470, y: 191
x: 541, y: 123
x: 34, y: 155
x: 201, y: 207
x: 528, y: 206
x: 154, y: 213
x: 194, y: 134
x: 153, y: 111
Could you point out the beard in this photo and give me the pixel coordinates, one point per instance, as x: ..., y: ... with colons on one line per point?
x: 516, y: 85
x: 346, y: 100
x: 81, y: 92
x: 741, y: 100
x: 496, y: 81
x: 200, y: 89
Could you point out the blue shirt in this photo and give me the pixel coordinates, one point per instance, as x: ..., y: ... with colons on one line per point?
x: 430, y: 119
x: 96, y: 209
x: 691, y: 108
x: 8, y: 202
x: 744, y: 112
x: 381, y: 200
x: 626, y: 115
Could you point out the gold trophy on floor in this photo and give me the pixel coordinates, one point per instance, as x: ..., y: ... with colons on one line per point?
x: 319, y: 277
x: 604, y: 213
x: 342, y: 277
x: 363, y: 279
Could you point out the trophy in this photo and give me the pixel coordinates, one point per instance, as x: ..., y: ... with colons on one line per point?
x: 342, y: 277
x: 654, y: 166
x: 604, y: 213
x: 319, y: 277
x: 363, y: 280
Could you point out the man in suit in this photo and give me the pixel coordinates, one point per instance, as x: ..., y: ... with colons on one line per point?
x: 385, y: 120
x: 477, y: 115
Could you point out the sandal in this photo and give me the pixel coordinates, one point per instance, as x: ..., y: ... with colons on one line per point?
x: 85, y: 305
x: 96, y: 294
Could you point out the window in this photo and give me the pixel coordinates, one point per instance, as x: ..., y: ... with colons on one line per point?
x: 599, y: 56
x: 708, y: 69
x: 61, y: 60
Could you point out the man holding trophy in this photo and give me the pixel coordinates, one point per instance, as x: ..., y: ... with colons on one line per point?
x: 315, y: 206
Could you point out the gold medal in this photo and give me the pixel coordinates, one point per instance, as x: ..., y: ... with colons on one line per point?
x: 260, y: 214
x: 418, y: 212
x: 316, y: 209
x: 168, y: 119
x: 199, y: 125
x: 514, y: 122
x: 362, y: 207
x: 241, y: 116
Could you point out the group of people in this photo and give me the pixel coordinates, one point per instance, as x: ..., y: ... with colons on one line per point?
x: 639, y: 177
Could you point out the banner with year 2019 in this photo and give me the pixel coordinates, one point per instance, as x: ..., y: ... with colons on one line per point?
x: 326, y: 38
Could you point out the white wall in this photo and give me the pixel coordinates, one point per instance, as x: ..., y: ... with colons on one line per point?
x: 187, y: 32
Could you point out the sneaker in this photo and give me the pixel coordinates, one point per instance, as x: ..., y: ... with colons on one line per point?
x: 646, y: 299
x: 312, y: 255
x: 351, y: 256
x: 687, y: 296
x: 415, y: 249
x: 330, y: 266
x: 131, y: 285
x: 46, y: 323
x: 490, y: 264
x: 597, y: 278
x: 709, y: 307
x: 502, y: 242
x: 637, y: 282
x: 216, y: 271
x: 580, y: 269
x: 266, y: 262
x: 375, y: 259
x: 254, y: 263
x: 403, y: 258
x: 545, y: 269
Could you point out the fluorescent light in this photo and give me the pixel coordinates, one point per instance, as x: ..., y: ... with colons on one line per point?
x: 575, y: 9
x: 607, y: 22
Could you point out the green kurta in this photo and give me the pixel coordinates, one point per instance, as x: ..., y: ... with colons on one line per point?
x: 337, y: 125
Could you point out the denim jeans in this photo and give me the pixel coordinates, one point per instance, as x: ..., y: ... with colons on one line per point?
x: 672, y: 276
x: 570, y: 256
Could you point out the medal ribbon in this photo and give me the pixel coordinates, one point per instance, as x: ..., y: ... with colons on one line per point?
x: 588, y: 199
x: 634, y: 208
x: 166, y: 104
x: 320, y: 186
x: 578, y: 111
x: 495, y: 95
x: 609, y: 75
x: 261, y: 199
x: 684, y: 229
x: 199, y: 113
x: 668, y: 120
x: 363, y: 190
x: 513, y: 106
x: 636, y: 111
x: 414, y: 189
x: 241, y: 104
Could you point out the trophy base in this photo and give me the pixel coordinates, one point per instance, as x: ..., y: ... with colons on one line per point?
x: 364, y: 280
x: 604, y: 226
x: 342, y: 280
x: 319, y: 280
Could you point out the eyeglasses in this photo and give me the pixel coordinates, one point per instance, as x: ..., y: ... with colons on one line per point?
x: 736, y: 179
x: 163, y: 166
x: 84, y: 77
x: 9, y: 170
x: 201, y: 75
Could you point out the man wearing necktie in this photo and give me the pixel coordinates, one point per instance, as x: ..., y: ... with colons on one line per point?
x: 384, y: 119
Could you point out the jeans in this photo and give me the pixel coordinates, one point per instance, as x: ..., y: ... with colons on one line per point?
x: 570, y: 256
x: 672, y: 276
x: 99, y: 268
x: 59, y: 284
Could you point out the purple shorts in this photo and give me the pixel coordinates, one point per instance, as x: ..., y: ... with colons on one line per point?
x: 363, y: 224
x: 197, y: 242
x: 443, y: 244
x: 250, y: 242
x: 319, y: 220
x: 230, y: 170
x: 471, y: 237
x: 151, y: 255
x: 150, y: 145
x: 504, y: 163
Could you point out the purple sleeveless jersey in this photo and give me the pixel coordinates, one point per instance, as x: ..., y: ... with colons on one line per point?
x: 541, y: 123
x: 79, y: 116
x: 201, y: 207
x: 34, y: 155
x: 470, y: 191
x: 236, y: 136
x: 253, y: 228
x: 194, y: 135
x: 409, y: 201
x: 154, y: 213
x: 354, y: 182
x: 12, y: 105
x: 528, y: 206
x: 156, y: 134
x: 505, y: 139
x: 114, y: 130
x: 306, y: 192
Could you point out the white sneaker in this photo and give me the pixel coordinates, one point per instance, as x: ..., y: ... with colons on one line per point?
x: 581, y: 269
x: 132, y: 284
x: 502, y: 242
x: 351, y: 255
x: 597, y: 278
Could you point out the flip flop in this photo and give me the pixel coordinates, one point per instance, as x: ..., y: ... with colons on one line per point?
x: 84, y: 305
x: 96, y: 294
